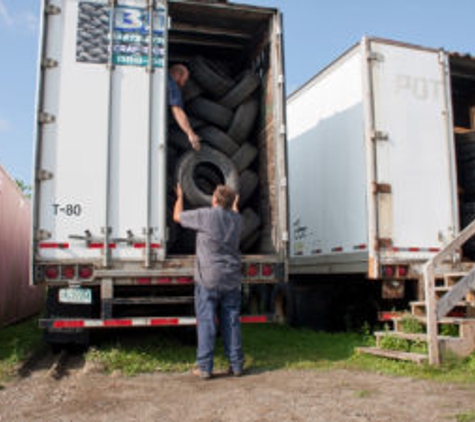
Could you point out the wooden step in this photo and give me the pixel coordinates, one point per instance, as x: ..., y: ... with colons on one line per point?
x: 418, y: 308
x: 393, y: 354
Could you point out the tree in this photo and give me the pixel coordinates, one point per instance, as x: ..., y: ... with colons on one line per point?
x: 26, y: 189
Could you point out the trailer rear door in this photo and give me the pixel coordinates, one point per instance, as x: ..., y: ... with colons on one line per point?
x: 100, y: 141
x: 415, y: 182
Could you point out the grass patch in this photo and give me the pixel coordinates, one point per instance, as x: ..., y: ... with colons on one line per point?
x: 17, y: 342
x: 266, y: 347
x: 465, y: 417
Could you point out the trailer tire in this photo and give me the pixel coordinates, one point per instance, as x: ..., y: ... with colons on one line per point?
x: 187, y: 171
x: 211, y: 77
x: 245, y: 87
x: 219, y: 140
x: 244, y: 156
x: 243, y: 120
x: 248, y: 181
x: 211, y: 111
x: 250, y: 223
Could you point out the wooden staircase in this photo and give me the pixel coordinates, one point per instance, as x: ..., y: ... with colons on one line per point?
x: 449, y: 301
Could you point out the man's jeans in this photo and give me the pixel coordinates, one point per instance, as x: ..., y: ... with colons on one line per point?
x: 208, y: 302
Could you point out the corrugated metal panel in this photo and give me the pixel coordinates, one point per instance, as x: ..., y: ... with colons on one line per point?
x: 18, y: 299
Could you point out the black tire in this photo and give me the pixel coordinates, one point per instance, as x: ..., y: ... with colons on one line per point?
x: 191, y: 90
x: 245, y: 87
x: 218, y: 139
x: 250, y: 223
x: 243, y: 120
x: 248, y: 182
x: 244, y: 156
x: 246, y: 245
x: 187, y: 171
x: 210, y: 77
x: 211, y: 111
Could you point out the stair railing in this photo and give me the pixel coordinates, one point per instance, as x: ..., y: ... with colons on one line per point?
x: 433, y: 313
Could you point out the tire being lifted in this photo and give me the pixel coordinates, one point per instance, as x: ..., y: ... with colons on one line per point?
x: 188, y: 168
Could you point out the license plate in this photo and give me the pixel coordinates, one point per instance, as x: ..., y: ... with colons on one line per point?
x: 75, y: 295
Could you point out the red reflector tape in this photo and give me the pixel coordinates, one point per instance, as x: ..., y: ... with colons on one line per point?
x: 144, y: 280
x: 254, y: 319
x: 51, y: 245
x: 144, y: 245
x: 359, y: 247
x: 184, y: 280
x: 337, y: 249
x: 101, y: 245
x: 68, y: 324
x: 164, y: 321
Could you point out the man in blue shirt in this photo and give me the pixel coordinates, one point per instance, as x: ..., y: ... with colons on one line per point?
x: 177, y: 78
x: 217, y: 277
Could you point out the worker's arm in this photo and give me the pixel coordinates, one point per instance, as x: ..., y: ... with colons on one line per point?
x: 235, y: 204
x: 182, y: 120
x: 178, y: 208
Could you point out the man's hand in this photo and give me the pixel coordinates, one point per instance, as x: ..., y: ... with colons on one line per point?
x: 235, y: 204
x: 194, y: 141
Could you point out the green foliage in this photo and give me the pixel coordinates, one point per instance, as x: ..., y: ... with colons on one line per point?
x: 449, y: 330
x: 466, y: 417
x: 26, y: 189
x: 17, y: 342
x: 409, y: 324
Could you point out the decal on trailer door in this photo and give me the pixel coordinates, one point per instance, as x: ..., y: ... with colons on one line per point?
x: 131, y: 36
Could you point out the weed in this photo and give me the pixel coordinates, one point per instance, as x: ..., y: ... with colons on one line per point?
x: 409, y: 324
x: 449, y: 330
x: 361, y: 394
x: 465, y: 417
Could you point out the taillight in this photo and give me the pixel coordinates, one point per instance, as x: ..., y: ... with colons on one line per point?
x: 52, y: 272
x: 402, y: 270
x: 267, y: 270
x: 388, y: 271
x: 68, y: 272
x: 85, y: 271
x: 252, y: 270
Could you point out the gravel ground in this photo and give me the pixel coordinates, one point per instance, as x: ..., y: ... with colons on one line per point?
x: 71, y: 390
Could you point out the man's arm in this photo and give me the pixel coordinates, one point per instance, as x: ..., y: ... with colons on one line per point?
x: 235, y: 204
x: 182, y: 120
x: 178, y: 208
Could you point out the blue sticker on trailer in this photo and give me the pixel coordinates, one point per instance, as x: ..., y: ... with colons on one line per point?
x: 130, y: 38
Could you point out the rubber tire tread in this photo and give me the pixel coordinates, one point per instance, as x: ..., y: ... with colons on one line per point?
x: 244, y: 156
x: 210, y: 77
x: 219, y: 140
x: 186, y: 171
x: 243, y: 120
x: 245, y: 87
x: 211, y: 111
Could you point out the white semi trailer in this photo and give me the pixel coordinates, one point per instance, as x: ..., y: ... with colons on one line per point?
x: 380, y: 147
x: 107, y: 156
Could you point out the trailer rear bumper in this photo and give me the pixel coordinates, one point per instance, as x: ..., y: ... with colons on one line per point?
x: 68, y: 324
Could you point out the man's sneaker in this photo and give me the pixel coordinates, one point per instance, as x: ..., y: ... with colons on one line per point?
x: 234, y: 372
x: 201, y: 374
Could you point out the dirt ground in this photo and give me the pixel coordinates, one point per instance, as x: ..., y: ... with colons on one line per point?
x: 69, y: 389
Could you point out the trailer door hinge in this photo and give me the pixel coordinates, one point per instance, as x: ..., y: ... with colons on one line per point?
x: 48, y: 63
x: 51, y: 9
x: 285, y: 236
x: 43, y: 175
x: 378, y: 135
x: 381, y: 188
x: 384, y: 243
x: 46, y: 118
x: 283, y: 129
x: 41, y: 234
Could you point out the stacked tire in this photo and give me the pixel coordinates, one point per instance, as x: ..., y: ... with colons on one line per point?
x: 222, y: 110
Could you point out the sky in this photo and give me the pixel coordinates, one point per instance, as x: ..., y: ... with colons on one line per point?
x: 315, y: 33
